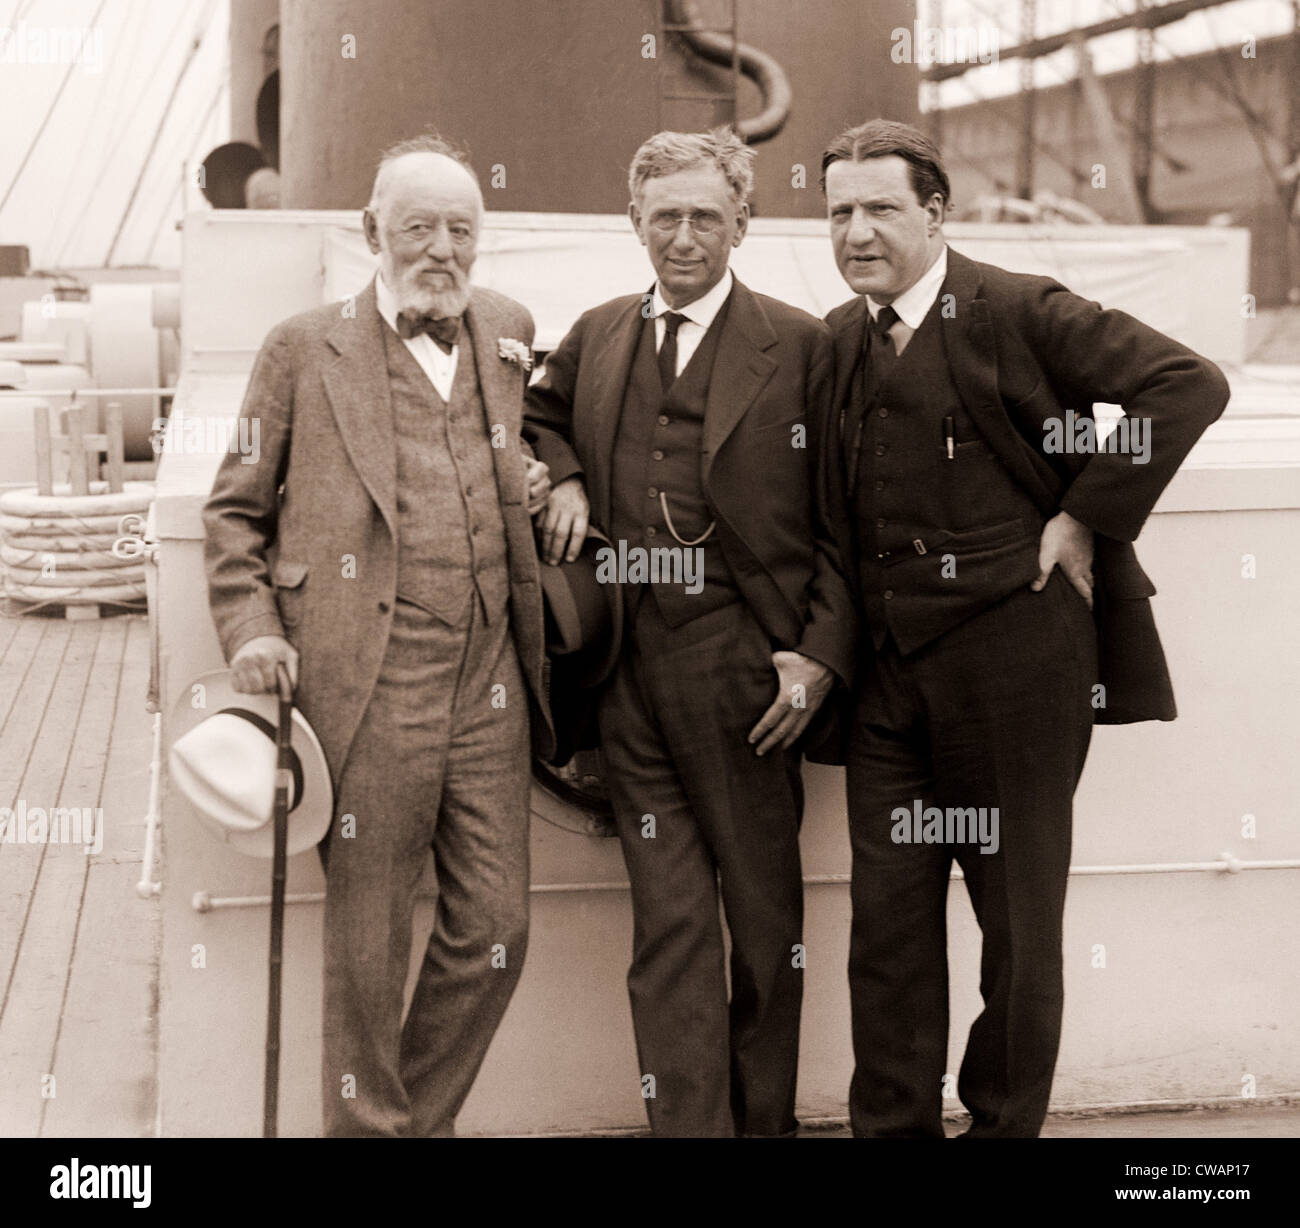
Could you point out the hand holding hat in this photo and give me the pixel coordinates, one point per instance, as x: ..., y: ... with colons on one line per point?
x: 223, y: 761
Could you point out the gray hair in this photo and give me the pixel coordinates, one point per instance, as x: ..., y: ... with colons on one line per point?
x: 666, y: 153
x: 429, y: 142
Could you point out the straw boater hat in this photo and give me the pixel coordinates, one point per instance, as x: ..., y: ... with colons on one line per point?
x: 223, y: 762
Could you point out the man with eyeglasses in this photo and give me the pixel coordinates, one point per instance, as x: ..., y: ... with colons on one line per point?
x: 690, y: 418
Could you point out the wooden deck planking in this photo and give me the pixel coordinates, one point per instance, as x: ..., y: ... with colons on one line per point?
x: 30, y: 667
x: 22, y: 639
x: 105, y: 1061
x: 9, y: 627
x: 78, y: 961
x: 106, y: 1055
x: 126, y: 783
x: 65, y: 768
x: 82, y: 786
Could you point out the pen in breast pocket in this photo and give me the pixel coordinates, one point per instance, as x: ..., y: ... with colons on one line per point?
x: 947, y: 436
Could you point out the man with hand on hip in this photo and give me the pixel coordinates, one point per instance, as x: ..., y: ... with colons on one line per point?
x: 1002, y: 609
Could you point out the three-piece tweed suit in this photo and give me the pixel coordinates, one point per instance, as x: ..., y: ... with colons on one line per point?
x: 383, y: 533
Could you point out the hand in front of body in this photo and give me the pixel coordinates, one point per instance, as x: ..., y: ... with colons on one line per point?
x: 1066, y: 543
x: 564, y: 527
x: 539, y: 485
x: 252, y: 668
x: 804, y: 684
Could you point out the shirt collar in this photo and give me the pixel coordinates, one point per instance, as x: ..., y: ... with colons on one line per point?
x: 915, y: 302
x: 703, y: 310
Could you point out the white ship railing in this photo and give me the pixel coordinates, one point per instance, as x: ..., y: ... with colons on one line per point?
x: 1225, y: 863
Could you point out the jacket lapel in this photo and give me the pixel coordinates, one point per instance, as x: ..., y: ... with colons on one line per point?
x: 740, y: 370
x: 356, y: 383
x: 501, y: 390
x: 971, y: 351
x: 612, y: 361
x: 848, y: 350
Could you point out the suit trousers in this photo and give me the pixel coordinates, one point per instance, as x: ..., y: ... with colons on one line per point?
x: 440, y: 763
x: 994, y: 713
x: 694, y: 807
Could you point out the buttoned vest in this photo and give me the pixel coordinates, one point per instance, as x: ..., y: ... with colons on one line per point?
x: 657, y: 459
x: 939, y: 539
x: 451, y: 536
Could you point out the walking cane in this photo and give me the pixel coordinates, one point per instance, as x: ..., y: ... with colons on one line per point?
x: 280, y: 817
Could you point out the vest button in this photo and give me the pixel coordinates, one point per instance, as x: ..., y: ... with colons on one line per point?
x: 880, y: 449
x: 664, y: 419
x: 889, y: 594
x: 383, y: 607
x: 653, y: 493
x: 657, y: 454
x: 880, y: 485
x: 650, y: 531
x: 881, y: 522
x: 884, y: 413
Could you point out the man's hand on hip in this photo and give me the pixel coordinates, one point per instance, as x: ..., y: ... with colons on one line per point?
x: 252, y: 668
x: 539, y: 485
x: 1066, y: 543
x: 804, y: 684
x: 564, y: 527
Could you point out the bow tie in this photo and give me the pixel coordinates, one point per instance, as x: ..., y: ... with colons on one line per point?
x: 445, y: 330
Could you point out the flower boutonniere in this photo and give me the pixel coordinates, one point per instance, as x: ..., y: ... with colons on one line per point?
x: 515, y: 351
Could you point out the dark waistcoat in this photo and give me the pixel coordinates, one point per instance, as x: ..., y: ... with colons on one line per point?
x: 938, y: 539
x: 657, y: 449
x: 451, y: 537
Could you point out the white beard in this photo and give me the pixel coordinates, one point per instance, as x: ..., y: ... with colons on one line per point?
x: 413, y: 297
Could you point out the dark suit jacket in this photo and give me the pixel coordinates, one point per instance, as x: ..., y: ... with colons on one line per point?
x: 275, y: 559
x: 773, y: 369
x: 1022, y: 350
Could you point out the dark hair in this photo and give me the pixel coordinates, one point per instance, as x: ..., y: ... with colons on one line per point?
x: 880, y: 138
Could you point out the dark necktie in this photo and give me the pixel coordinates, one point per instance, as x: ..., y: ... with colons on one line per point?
x: 445, y: 330
x: 883, y: 353
x: 874, y: 365
x: 668, y: 349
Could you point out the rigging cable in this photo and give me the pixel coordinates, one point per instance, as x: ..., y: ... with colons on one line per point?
x: 201, y: 30
x: 75, y: 164
x: 92, y: 197
x: 189, y: 150
x: 40, y: 131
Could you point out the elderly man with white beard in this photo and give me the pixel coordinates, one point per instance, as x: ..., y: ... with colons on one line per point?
x: 381, y: 549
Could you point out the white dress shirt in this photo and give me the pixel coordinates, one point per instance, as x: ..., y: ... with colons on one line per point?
x: 438, y: 365
x: 699, y: 315
x: 914, y: 303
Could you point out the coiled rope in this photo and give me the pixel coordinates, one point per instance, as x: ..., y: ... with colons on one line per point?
x: 64, y: 549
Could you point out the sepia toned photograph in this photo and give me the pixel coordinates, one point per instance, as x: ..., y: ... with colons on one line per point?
x: 675, y: 569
